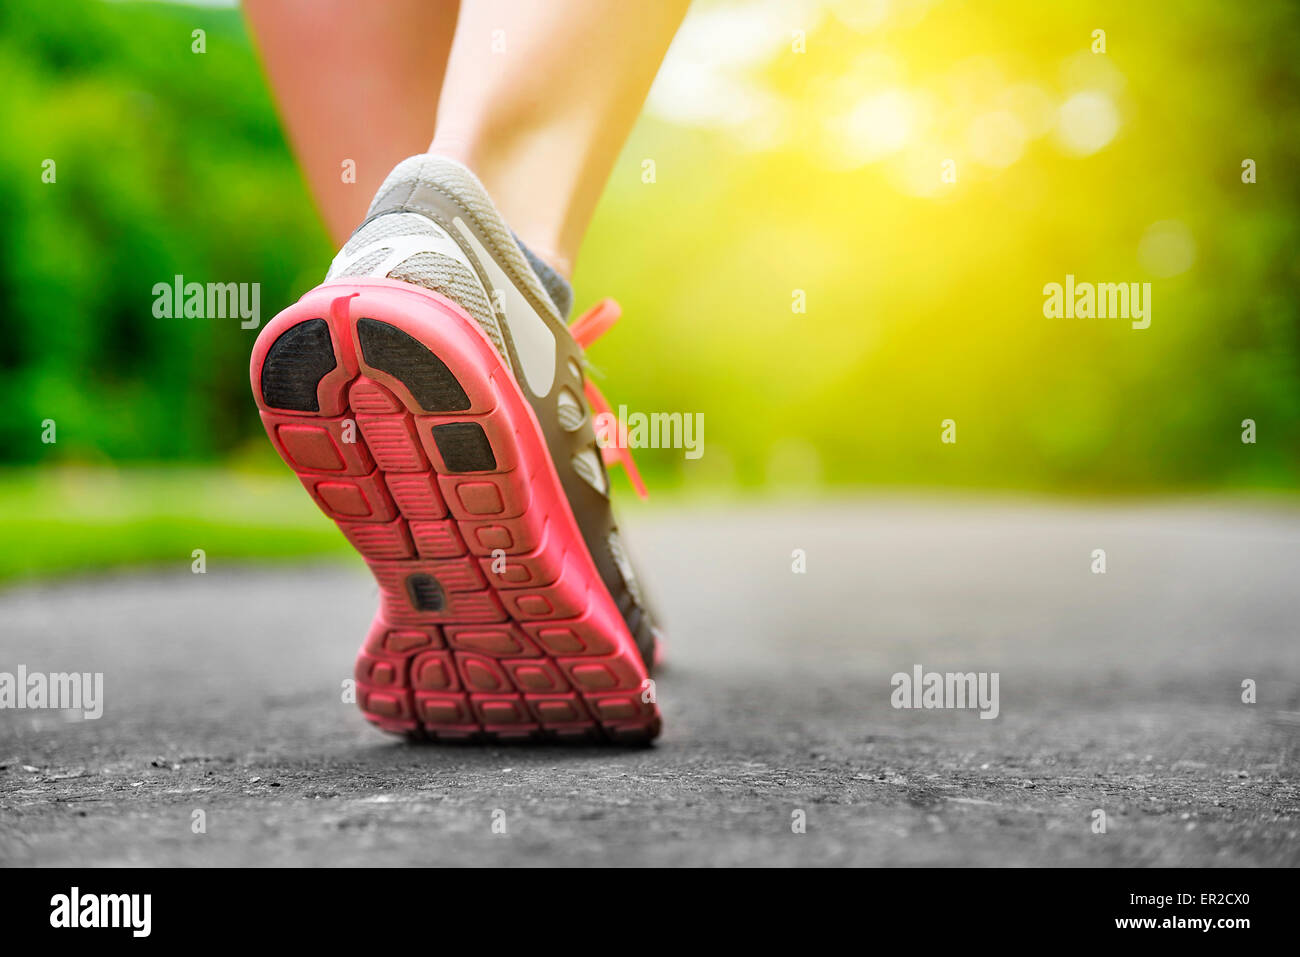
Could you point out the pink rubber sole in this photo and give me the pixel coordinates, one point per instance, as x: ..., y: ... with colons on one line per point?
x: 526, y: 641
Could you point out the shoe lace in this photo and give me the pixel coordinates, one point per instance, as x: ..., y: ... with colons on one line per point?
x: 586, y: 329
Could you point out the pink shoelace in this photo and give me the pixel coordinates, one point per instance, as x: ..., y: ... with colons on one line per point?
x: 586, y: 329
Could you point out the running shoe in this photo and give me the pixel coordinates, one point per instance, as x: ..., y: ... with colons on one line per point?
x: 435, y: 405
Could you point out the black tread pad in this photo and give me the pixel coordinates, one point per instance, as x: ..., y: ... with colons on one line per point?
x: 425, y: 593
x: 389, y: 349
x: 464, y: 447
x: 295, y: 364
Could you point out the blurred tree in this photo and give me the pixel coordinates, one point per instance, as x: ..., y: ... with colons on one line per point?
x: 919, y: 171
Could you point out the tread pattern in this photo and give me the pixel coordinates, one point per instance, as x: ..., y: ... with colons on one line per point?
x: 426, y: 376
x: 489, y: 624
x: 295, y: 364
x: 464, y: 447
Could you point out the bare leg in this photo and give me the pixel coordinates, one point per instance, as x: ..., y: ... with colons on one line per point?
x: 354, y: 81
x: 538, y: 100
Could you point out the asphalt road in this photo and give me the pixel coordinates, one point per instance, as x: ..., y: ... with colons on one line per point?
x: 1118, y: 692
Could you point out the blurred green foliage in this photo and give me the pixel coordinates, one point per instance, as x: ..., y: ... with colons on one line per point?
x: 924, y: 299
x: 55, y: 521
x: 167, y: 162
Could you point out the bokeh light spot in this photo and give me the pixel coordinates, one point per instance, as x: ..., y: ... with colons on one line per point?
x: 1087, y: 122
x: 1167, y: 248
x: 873, y: 129
x: 996, y: 139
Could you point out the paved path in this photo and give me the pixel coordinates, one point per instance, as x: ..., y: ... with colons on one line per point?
x: 1118, y: 692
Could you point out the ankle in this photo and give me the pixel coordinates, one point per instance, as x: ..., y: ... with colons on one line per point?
x: 524, y: 210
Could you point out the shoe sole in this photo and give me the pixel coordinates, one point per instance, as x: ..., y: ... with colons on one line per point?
x: 407, y: 429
